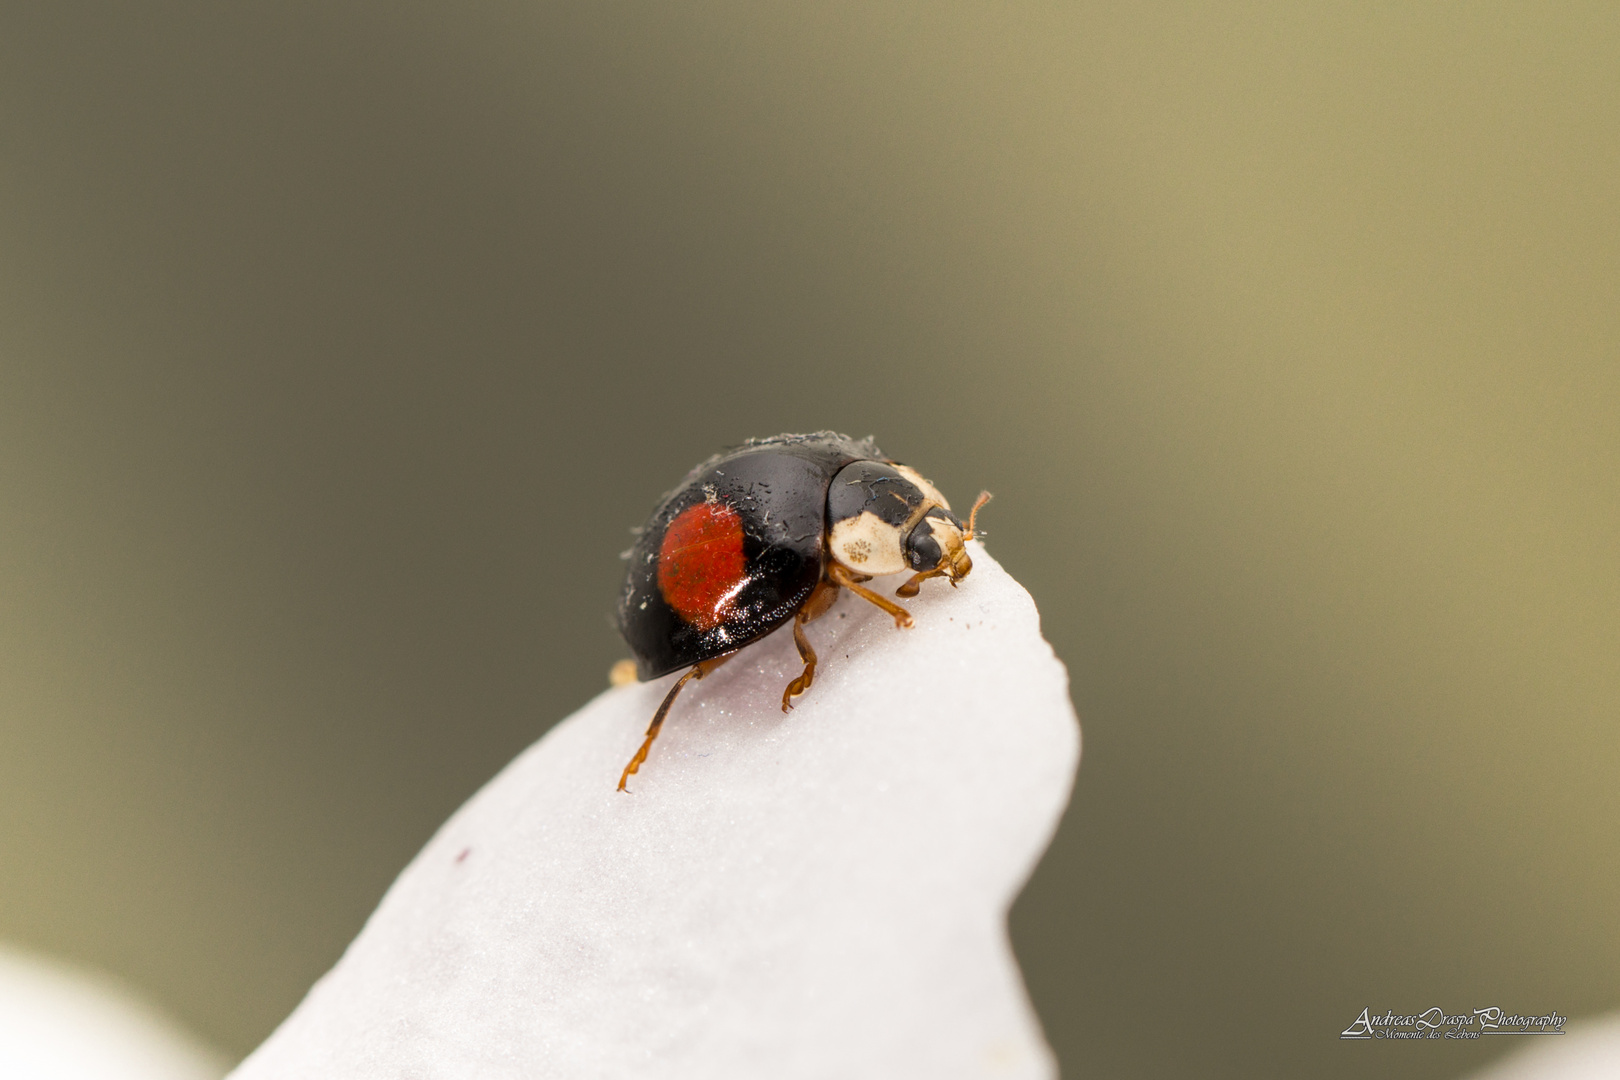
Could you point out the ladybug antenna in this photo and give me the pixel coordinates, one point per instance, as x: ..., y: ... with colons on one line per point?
x: 973, y: 515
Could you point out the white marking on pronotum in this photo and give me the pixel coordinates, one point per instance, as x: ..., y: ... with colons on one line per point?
x: 948, y: 535
x: 867, y: 545
x: 928, y: 490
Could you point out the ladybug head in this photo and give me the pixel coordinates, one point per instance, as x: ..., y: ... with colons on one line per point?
x: 937, y: 546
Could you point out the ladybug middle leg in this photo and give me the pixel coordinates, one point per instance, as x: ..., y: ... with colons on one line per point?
x: 814, y: 608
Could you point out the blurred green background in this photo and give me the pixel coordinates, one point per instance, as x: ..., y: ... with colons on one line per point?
x: 342, y: 343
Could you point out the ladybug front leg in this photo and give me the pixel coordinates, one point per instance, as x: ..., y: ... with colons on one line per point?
x: 814, y: 607
x: 914, y: 585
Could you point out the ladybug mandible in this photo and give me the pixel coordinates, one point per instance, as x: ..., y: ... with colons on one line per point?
x: 769, y: 532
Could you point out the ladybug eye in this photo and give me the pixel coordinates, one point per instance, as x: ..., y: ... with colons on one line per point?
x: 922, y: 547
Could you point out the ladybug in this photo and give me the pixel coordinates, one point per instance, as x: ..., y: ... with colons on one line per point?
x: 767, y: 533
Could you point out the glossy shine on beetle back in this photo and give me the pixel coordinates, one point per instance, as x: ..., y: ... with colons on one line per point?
x: 766, y: 534
x: 732, y: 553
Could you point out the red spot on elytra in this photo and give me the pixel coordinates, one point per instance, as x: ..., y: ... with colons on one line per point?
x: 701, y: 563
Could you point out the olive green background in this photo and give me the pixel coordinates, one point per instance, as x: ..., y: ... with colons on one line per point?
x: 342, y: 343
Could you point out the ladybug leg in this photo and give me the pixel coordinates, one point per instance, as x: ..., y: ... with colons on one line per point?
x: 852, y: 582
x: 814, y: 607
x: 914, y: 585
x: 696, y: 671
x: 808, y: 655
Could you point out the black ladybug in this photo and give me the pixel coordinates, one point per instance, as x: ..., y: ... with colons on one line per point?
x: 769, y: 531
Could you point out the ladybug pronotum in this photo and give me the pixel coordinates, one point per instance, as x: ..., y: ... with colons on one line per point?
x: 767, y: 533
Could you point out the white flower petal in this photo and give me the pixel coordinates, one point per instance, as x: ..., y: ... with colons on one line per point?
x: 815, y: 894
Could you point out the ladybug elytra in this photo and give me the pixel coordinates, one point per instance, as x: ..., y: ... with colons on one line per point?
x: 767, y: 533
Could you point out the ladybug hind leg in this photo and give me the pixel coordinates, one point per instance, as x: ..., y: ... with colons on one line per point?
x: 814, y: 607
x: 696, y: 671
